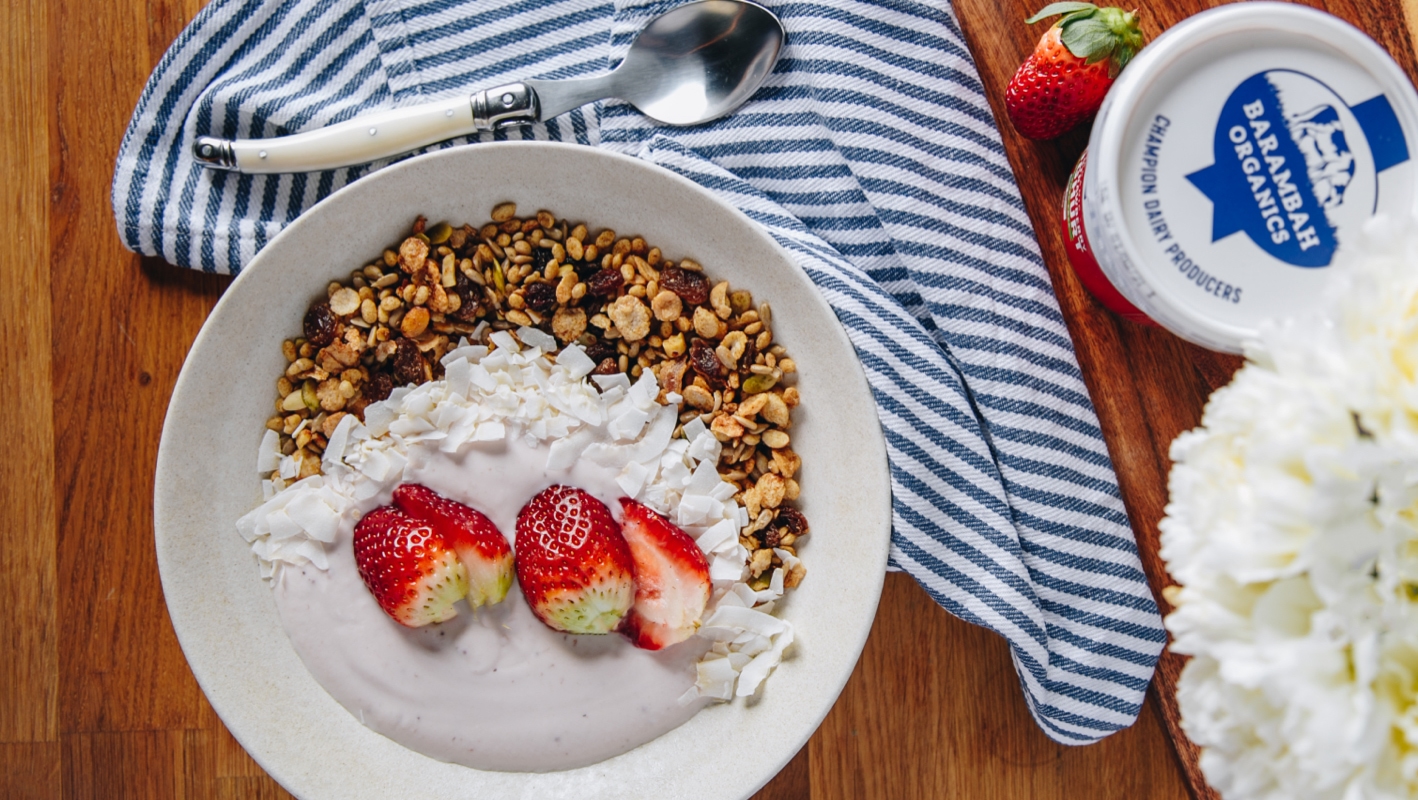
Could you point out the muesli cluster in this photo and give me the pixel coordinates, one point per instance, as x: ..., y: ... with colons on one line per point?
x: 627, y: 305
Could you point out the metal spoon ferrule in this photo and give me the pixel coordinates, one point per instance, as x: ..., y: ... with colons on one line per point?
x: 512, y: 104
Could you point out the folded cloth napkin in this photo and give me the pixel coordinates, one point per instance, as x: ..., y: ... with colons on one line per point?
x: 871, y: 155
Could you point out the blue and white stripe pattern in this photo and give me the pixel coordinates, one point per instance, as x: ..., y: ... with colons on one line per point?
x: 871, y: 155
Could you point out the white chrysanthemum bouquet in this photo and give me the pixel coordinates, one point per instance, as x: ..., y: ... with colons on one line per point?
x: 1293, y: 533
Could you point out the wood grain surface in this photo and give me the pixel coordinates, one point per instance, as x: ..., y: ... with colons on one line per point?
x: 96, y: 700
x: 1148, y: 386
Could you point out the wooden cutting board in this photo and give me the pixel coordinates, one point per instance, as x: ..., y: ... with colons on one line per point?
x: 1148, y: 386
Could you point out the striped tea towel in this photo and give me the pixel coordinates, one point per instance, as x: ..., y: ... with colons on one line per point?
x: 871, y: 156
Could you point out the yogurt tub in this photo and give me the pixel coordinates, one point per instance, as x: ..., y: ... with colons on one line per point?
x: 1230, y: 160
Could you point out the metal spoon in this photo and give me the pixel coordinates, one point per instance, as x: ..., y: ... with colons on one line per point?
x: 692, y: 64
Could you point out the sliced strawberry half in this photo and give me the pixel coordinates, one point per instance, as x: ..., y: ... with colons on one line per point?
x: 671, y: 579
x: 412, y: 572
x: 573, y: 565
x: 481, y: 547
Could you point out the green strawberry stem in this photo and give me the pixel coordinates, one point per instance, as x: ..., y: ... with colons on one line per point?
x: 1093, y: 34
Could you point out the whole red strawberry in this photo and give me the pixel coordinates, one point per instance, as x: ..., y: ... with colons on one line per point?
x: 413, y: 574
x: 479, y: 544
x: 572, y: 563
x: 671, y: 579
x: 1071, y: 68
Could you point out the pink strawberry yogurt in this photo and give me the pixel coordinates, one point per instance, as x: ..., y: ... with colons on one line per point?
x: 493, y: 688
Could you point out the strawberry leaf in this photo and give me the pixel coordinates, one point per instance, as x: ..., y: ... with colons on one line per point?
x: 1054, y: 9
x: 1089, y: 39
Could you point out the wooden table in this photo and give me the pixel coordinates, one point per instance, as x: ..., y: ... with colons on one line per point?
x: 96, y: 700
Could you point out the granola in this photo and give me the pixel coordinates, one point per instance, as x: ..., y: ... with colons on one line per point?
x: 710, y: 349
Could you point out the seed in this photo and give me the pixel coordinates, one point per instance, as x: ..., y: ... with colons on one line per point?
x: 502, y: 212
x: 439, y: 233
x: 546, y: 220
x: 574, y: 249
x: 307, y: 396
x: 759, y: 383
x: 775, y: 439
x: 605, y: 239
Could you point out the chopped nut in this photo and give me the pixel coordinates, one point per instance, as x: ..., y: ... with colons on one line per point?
x: 775, y: 439
x: 736, y: 342
x: 770, y: 490
x: 787, y: 462
x: 795, y: 575
x: 412, y: 253
x: 331, y: 422
x: 752, y: 405
x: 568, y: 324
x: 674, y: 346
x: 415, y: 322
x: 631, y: 318
x: 698, y: 397
x: 760, y: 562
x: 667, y: 306
x: 329, y: 396
x: 719, y: 299
x: 706, y: 324
x: 775, y: 410
x: 724, y: 426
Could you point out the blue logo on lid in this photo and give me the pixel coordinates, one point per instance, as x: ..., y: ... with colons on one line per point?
x: 1294, y: 162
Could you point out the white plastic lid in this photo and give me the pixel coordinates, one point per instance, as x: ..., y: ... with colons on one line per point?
x: 1233, y: 156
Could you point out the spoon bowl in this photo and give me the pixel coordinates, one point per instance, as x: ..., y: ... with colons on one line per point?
x: 699, y: 61
x: 693, y: 64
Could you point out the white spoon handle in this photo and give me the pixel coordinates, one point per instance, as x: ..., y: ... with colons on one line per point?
x: 372, y: 136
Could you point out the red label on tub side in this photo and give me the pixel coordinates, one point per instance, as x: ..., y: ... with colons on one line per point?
x: 1080, y: 253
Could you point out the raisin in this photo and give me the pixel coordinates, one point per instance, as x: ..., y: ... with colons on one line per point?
x: 471, y: 307
x: 608, y: 366
x: 773, y: 537
x: 692, y: 287
x: 600, y: 351
x: 541, y: 256
x: 792, y: 520
x: 750, y: 355
x: 606, y: 283
x: 408, y: 362
x: 378, y: 387
x: 540, y: 297
x: 706, y: 362
x: 321, y: 326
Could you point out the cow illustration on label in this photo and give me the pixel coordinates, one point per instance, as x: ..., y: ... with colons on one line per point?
x: 1295, y: 165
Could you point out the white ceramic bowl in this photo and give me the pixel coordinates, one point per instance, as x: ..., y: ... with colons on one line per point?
x: 225, y: 616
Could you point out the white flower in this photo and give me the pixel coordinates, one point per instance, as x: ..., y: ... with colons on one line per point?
x: 1292, y: 532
